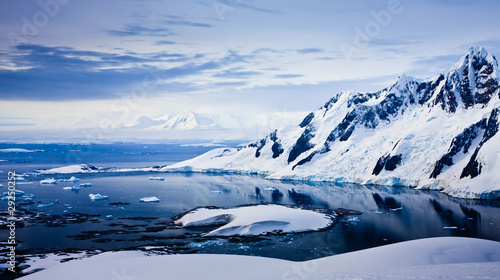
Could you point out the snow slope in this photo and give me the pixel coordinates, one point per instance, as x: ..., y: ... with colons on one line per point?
x: 443, y: 258
x: 439, y: 133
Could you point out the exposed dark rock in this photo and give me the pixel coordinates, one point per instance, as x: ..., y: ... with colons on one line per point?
x: 380, y: 164
x: 461, y: 142
x: 302, y: 144
x: 307, y: 120
x: 473, y: 167
x: 393, y: 162
x: 304, y: 160
x: 262, y: 143
x: 277, y: 149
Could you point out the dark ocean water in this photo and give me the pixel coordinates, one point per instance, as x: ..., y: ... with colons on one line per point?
x: 388, y: 214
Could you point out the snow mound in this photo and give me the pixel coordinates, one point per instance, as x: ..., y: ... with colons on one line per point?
x: 255, y: 220
x: 431, y: 258
x: 72, y: 169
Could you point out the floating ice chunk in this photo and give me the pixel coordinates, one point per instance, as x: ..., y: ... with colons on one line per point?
x: 109, y: 216
x: 157, y: 178
x: 149, y: 199
x: 16, y: 193
x: 270, y: 189
x: 1, y: 186
x: 13, y: 150
x: 450, y: 227
x: 86, y: 185
x: 98, y: 196
x: 72, y: 179
x: 48, y: 181
x: 353, y: 219
x: 44, y: 205
x: 73, y: 188
x: 28, y: 197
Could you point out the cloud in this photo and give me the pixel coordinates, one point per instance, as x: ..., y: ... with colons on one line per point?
x: 288, y: 76
x: 138, y: 30
x: 187, y: 23
x: 310, y: 50
x: 164, y: 42
x: 62, y: 73
x: 236, y: 73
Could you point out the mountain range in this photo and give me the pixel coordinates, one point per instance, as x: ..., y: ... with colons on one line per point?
x: 438, y: 133
x: 191, y: 125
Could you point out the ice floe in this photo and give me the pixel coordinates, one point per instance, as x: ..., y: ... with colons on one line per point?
x: 149, y: 199
x: 48, y: 181
x: 72, y: 179
x: 98, y: 197
x: 256, y: 219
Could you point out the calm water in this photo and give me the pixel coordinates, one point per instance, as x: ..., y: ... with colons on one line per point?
x: 388, y: 214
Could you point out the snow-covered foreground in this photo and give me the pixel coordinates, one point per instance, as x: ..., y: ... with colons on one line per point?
x: 432, y: 258
x: 255, y: 220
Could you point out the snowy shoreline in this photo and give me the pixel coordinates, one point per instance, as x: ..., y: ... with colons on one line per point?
x: 445, y: 257
x: 463, y: 191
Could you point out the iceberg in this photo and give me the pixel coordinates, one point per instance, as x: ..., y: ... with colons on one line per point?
x: 86, y: 185
x: 16, y: 193
x: 98, y: 197
x: 73, y: 188
x: 72, y: 179
x: 149, y: 199
x: 48, y: 181
x: 256, y: 220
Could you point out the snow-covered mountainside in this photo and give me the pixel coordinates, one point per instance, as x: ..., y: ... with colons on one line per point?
x: 439, y: 133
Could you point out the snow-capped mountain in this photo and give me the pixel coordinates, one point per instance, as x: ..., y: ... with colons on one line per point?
x: 189, y: 120
x: 191, y: 125
x: 439, y: 133
x: 145, y: 122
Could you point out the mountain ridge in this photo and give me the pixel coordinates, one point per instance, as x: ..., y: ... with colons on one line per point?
x: 438, y: 133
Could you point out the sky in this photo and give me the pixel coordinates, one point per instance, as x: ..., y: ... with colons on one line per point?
x: 72, y: 64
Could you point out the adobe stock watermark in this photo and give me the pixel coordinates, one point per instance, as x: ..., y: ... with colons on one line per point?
x: 122, y: 107
x: 31, y: 26
x: 372, y: 29
x: 11, y: 200
x: 223, y: 6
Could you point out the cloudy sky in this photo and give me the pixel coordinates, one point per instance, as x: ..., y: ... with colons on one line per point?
x: 85, y: 63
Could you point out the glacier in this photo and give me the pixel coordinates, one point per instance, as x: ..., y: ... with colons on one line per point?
x: 439, y: 133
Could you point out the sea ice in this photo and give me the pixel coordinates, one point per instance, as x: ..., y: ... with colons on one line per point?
x: 85, y: 185
x: 73, y: 188
x: 257, y: 219
x: 16, y: 193
x: 98, y: 197
x: 149, y: 199
x: 73, y: 179
x: 48, y: 181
